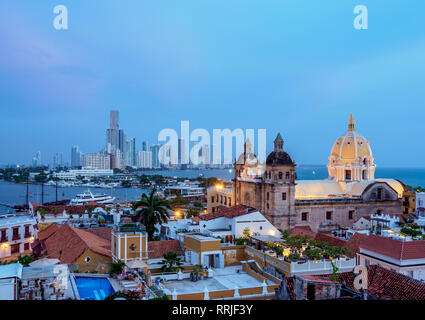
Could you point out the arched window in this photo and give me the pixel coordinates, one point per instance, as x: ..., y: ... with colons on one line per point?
x: 280, y: 175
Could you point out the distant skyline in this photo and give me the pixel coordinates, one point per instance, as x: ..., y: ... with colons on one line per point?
x: 297, y: 67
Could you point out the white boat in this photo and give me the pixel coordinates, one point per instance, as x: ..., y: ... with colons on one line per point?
x: 87, y: 197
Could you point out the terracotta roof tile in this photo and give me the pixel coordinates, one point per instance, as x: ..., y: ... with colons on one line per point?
x: 303, y: 231
x: 67, y: 244
x: 104, y: 233
x: 46, y: 233
x: 354, y: 243
x: 228, y: 212
x: 58, y: 209
x: 397, y: 249
x: 156, y: 249
x: 333, y: 241
x: 386, y: 284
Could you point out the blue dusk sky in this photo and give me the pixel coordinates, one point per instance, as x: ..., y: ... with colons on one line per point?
x: 297, y: 67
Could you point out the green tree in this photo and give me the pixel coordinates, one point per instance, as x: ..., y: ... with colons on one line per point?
x: 116, y: 267
x: 25, y: 260
x: 192, y: 213
x: 171, y: 262
x: 42, y: 213
x: 151, y: 210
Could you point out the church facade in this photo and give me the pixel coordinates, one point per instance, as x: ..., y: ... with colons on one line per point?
x: 350, y: 192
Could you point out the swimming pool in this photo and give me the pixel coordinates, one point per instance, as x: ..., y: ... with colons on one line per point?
x: 93, y: 288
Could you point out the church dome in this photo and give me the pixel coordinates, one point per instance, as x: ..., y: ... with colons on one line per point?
x: 279, y: 157
x: 351, y: 157
x: 351, y: 145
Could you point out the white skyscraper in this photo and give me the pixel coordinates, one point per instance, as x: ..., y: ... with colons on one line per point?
x: 144, y: 160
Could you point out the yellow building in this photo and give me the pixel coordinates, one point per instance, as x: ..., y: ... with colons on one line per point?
x: 219, y: 195
x: 409, y: 201
x: 129, y: 242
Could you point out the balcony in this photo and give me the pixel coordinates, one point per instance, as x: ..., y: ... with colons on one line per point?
x: 130, y: 228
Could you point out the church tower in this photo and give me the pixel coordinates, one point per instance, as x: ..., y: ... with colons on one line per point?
x: 269, y: 188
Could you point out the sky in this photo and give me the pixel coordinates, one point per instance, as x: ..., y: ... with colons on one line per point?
x: 297, y: 67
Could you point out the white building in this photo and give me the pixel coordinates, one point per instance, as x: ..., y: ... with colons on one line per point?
x: 144, y: 159
x: 97, y: 160
x: 17, y: 232
x: 9, y: 276
x: 420, y: 200
x: 86, y: 172
x: 230, y: 223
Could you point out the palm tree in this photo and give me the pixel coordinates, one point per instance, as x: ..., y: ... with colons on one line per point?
x: 171, y: 262
x: 151, y: 210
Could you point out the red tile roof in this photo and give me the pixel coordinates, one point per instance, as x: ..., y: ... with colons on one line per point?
x: 46, y: 233
x: 156, y: 249
x: 67, y: 244
x: 385, y: 284
x: 228, y: 212
x: 51, y: 209
x: 303, y: 231
x: 397, y: 249
x: 104, y: 233
x: 333, y: 241
x: 354, y: 243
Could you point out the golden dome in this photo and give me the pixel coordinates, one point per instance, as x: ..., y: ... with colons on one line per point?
x: 351, y: 157
x: 351, y: 145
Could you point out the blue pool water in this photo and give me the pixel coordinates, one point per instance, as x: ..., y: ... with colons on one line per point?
x: 93, y: 288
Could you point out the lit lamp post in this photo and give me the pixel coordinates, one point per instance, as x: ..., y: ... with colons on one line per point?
x: 178, y: 214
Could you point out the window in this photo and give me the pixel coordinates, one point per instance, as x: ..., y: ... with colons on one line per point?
x: 287, y: 177
x: 26, y: 246
x: 3, y: 237
x: 366, y: 262
x: 411, y: 274
x: 268, y: 196
x: 280, y: 175
x: 328, y: 215
x: 230, y: 202
x: 16, y: 233
x: 15, y: 248
x: 87, y: 259
x: 304, y: 216
x: 212, y: 199
x: 351, y: 214
x: 268, y: 207
x: 347, y: 174
x: 284, y: 196
x: 379, y: 193
x: 261, y: 228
